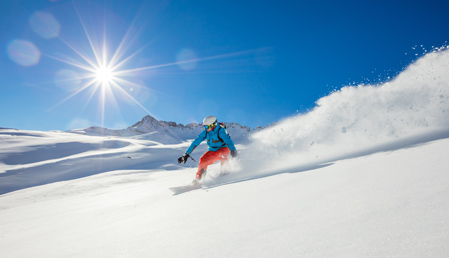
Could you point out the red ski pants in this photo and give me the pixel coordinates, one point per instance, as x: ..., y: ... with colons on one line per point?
x: 210, y: 157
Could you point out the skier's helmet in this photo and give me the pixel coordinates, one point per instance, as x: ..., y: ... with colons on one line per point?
x: 210, y: 121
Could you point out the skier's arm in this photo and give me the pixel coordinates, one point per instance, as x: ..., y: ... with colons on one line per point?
x: 201, y: 137
x: 227, y: 139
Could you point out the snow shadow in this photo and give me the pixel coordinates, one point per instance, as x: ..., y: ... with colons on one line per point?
x: 57, y: 151
x: 9, y: 133
x: 146, y: 160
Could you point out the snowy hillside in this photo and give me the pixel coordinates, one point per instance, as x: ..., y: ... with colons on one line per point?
x: 364, y: 174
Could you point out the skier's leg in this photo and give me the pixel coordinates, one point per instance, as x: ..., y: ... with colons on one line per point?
x: 223, y: 154
x: 224, y: 159
x: 207, y: 159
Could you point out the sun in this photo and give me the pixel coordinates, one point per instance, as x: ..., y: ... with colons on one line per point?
x: 107, y: 68
x: 104, y: 75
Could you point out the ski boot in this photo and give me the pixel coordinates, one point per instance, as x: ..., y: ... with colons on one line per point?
x: 201, y: 174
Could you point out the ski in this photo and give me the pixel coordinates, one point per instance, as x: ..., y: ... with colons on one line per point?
x: 193, y: 186
x: 185, y: 188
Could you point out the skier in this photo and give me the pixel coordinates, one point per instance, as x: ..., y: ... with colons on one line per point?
x: 220, y: 146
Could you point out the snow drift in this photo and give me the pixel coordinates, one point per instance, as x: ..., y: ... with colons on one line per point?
x: 358, y: 120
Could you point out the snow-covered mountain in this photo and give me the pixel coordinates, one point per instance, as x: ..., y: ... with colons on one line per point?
x: 150, y: 128
x: 364, y: 174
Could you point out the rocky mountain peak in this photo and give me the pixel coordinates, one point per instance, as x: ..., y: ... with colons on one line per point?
x: 150, y: 128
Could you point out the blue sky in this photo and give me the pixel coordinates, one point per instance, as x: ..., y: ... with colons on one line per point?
x: 251, y: 62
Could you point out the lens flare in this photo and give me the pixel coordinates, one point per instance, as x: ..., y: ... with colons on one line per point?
x: 23, y: 52
x: 45, y: 25
x: 186, y: 55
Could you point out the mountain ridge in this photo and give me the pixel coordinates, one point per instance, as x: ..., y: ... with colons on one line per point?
x: 166, y: 132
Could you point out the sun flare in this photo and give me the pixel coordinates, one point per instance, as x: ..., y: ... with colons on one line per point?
x: 104, y: 75
x: 108, y: 68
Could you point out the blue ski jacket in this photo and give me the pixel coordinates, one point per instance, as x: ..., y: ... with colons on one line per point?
x: 213, y: 140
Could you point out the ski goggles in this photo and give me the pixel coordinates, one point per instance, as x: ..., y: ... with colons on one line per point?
x: 209, y: 126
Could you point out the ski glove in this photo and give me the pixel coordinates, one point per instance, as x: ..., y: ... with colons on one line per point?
x: 183, y: 158
x: 234, y: 153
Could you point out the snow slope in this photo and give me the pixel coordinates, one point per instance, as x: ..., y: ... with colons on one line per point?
x: 388, y: 204
x: 364, y: 174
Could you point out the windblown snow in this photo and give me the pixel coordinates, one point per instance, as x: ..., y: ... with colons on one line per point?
x: 363, y: 174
